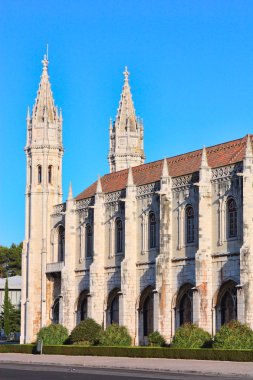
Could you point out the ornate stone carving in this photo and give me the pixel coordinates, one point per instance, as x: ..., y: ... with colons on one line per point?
x: 84, y: 203
x: 114, y: 197
x: 59, y: 209
x: 184, y: 181
x: 148, y: 189
x: 226, y: 171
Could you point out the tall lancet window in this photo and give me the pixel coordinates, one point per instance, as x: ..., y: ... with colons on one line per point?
x: 119, y: 236
x: 61, y: 243
x: 89, y: 240
x: 152, y: 230
x: 50, y: 174
x: 189, y: 224
x: 39, y: 174
x: 232, y: 218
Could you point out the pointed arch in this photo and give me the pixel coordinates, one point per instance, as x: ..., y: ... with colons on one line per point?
x: 232, y: 218
x: 152, y: 229
x: 189, y: 224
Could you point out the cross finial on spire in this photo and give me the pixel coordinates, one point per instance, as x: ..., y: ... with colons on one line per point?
x: 126, y: 73
x: 45, y: 61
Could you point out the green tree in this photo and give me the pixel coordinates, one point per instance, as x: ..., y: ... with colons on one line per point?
x: 6, y: 309
x: 10, y: 260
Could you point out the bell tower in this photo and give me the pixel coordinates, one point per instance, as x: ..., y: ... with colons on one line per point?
x: 44, y: 153
x: 126, y: 133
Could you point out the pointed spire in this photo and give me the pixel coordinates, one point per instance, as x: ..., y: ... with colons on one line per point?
x: 28, y: 113
x: 165, y: 172
x: 248, y: 150
x: 126, y: 117
x: 70, y: 194
x: 99, y: 186
x: 204, y: 161
x: 44, y: 108
x: 126, y: 74
x: 130, y: 180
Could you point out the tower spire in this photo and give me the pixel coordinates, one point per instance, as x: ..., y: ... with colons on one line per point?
x: 126, y: 133
x: 44, y: 108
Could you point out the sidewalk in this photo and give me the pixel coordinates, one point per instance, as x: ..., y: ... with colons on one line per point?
x: 163, y: 365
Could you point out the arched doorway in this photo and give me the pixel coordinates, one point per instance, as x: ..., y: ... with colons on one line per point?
x: 227, y: 303
x: 113, y: 307
x: 82, y: 306
x: 184, y: 310
x: 56, y: 311
x: 146, y: 314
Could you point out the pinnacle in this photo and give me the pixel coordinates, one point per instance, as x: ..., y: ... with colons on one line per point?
x: 165, y: 172
x: 70, y: 194
x: 99, y: 185
x: 248, y: 150
x: 44, y: 108
x: 126, y: 118
x: 204, y: 161
x: 130, y: 180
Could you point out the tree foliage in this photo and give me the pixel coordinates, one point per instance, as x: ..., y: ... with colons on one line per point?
x: 156, y: 339
x: 6, y: 309
x: 234, y: 336
x: 191, y: 336
x: 87, y: 332
x: 10, y: 315
x: 116, y: 335
x: 10, y: 260
x: 53, y: 334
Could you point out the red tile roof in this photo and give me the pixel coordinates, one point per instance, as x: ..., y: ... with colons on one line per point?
x: 187, y: 163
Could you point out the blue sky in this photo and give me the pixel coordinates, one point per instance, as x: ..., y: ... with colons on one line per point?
x: 191, y: 65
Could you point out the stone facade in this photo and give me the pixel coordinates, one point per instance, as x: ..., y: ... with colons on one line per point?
x: 149, y: 246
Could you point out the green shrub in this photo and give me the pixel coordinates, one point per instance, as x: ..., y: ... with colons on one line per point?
x: 116, y: 335
x: 156, y: 339
x: 53, y: 334
x: 88, y: 332
x: 234, y: 335
x: 191, y: 336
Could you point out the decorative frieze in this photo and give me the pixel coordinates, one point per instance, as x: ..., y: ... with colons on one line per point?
x: 84, y: 203
x: 59, y: 209
x: 226, y: 171
x: 185, y: 181
x: 112, y: 198
x: 146, y: 190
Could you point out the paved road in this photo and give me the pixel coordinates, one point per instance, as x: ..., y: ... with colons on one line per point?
x: 35, y: 372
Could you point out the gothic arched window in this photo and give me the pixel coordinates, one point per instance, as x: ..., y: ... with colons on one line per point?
x: 56, y: 311
x: 189, y: 224
x: 114, y: 310
x: 185, y: 309
x: 61, y: 243
x: 152, y: 230
x: 84, y: 309
x: 232, y: 218
x: 39, y: 174
x: 50, y: 174
x: 89, y: 240
x: 119, y: 236
x: 148, y: 315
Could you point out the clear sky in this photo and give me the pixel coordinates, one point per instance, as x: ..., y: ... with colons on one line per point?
x: 191, y: 65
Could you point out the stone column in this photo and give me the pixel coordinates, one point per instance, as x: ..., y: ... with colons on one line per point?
x: 68, y: 288
x: 246, y: 252
x: 202, y: 313
x: 128, y: 265
x: 97, y: 271
x: 163, y: 261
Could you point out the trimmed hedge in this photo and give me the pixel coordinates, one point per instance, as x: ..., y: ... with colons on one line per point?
x: 138, y: 352
x: 18, y: 348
